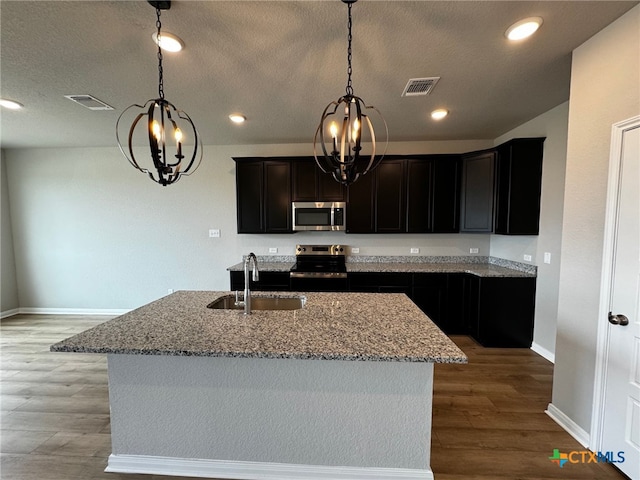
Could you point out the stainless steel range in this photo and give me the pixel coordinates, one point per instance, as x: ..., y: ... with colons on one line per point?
x: 319, y: 268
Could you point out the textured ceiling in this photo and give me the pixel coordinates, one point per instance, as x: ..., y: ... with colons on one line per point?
x: 281, y: 62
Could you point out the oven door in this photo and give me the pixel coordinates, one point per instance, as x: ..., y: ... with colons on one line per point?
x: 318, y: 281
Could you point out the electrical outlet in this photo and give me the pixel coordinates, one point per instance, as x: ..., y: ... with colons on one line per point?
x: 355, y: 250
x: 273, y: 250
x: 547, y: 257
x: 473, y: 250
x: 527, y: 258
x: 415, y: 250
x: 214, y: 233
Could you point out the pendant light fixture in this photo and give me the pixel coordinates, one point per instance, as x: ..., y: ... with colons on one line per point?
x: 174, y: 145
x: 344, y: 128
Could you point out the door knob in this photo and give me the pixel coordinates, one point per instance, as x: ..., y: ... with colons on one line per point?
x: 618, y: 319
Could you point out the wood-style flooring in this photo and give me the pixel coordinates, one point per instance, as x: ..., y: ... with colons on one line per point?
x: 488, y: 416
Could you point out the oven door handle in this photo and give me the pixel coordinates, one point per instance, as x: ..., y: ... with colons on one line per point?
x: 317, y: 275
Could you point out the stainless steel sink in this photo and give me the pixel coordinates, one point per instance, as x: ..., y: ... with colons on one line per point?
x: 228, y: 302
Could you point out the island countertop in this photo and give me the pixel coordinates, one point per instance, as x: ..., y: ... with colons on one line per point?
x: 330, y: 326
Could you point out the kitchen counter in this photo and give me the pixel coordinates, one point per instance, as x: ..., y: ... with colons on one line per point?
x: 481, y: 267
x: 331, y: 326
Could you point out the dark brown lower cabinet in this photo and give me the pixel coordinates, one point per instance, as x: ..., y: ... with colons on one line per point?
x: 496, y: 311
x: 500, y: 311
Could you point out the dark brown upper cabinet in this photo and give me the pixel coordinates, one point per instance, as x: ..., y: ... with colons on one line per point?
x: 310, y: 184
x: 501, y: 188
x: 416, y: 194
x: 518, y: 186
x: 263, y: 195
x: 477, y: 194
x: 376, y: 202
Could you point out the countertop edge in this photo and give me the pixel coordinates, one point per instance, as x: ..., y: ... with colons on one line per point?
x: 296, y: 356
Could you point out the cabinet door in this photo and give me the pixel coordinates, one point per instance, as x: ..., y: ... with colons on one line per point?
x: 277, y: 197
x: 454, y: 304
x: 303, y: 175
x: 328, y: 189
x: 429, y: 293
x: 419, y: 183
x: 476, y: 213
x: 389, y: 203
x: 506, y: 308
x: 360, y: 211
x: 249, y: 197
x: 310, y: 184
x: 445, y: 203
x: 519, y: 186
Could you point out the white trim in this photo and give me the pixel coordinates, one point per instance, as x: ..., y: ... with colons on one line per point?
x: 9, y: 313
x: 73, y: 311
x: 543, y: 352
x: 602, y: 343
x: 569, y: 425
x: 230, y: 469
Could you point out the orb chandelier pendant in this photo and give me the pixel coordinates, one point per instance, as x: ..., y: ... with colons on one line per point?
x: 344, y: 128
x: 174, y: 145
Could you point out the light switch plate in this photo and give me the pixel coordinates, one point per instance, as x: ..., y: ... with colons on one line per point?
x: 527, y: 258
x: 214, y: 233
x: 547, y: 257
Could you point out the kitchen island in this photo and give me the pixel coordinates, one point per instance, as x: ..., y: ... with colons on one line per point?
x: 341, y: 388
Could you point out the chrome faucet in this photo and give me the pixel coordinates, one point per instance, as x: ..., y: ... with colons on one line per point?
x: 255, y: 276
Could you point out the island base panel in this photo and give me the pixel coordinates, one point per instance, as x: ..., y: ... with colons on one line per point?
x: 374, y: 417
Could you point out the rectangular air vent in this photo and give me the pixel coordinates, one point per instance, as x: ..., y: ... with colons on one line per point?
x: 87, y: 101
x: 419, y: 86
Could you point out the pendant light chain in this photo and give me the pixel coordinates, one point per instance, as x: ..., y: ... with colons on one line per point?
x: 349, y: 88
x: 174, y: 146
x: 160, y: 78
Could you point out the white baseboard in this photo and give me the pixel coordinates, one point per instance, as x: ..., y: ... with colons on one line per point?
x: 9, y: 313
x: 73, y: 311
x: 255, y: 470
x: 569, y: 425
x: 543, y: 352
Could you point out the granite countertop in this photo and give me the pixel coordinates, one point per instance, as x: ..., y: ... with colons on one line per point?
x: 480, y: 266
x: 331, y: 326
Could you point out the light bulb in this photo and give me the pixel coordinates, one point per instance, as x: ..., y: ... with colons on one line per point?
x: 333, y: 129
x: 155, y: 129
x: 178, y: 135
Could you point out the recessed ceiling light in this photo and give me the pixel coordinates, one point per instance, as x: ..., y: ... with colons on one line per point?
x: 237, y: 118
x: 168, y: 41
x: 439, y: 114
x: 10, y: 104
x: 523, y: 29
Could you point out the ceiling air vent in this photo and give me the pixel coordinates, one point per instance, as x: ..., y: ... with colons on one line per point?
x: 419, y: 86
x: 87, y: 101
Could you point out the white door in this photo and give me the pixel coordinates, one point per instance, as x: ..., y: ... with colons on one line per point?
x: 620, y: 421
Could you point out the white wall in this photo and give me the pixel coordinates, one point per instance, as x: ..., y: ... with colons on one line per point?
x: 605, y: 88
x: 91, y: 233
x: 553, y: 125
x: 8, y: 283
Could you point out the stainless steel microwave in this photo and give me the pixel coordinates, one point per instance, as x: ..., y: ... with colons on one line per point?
x: 319, y: 216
